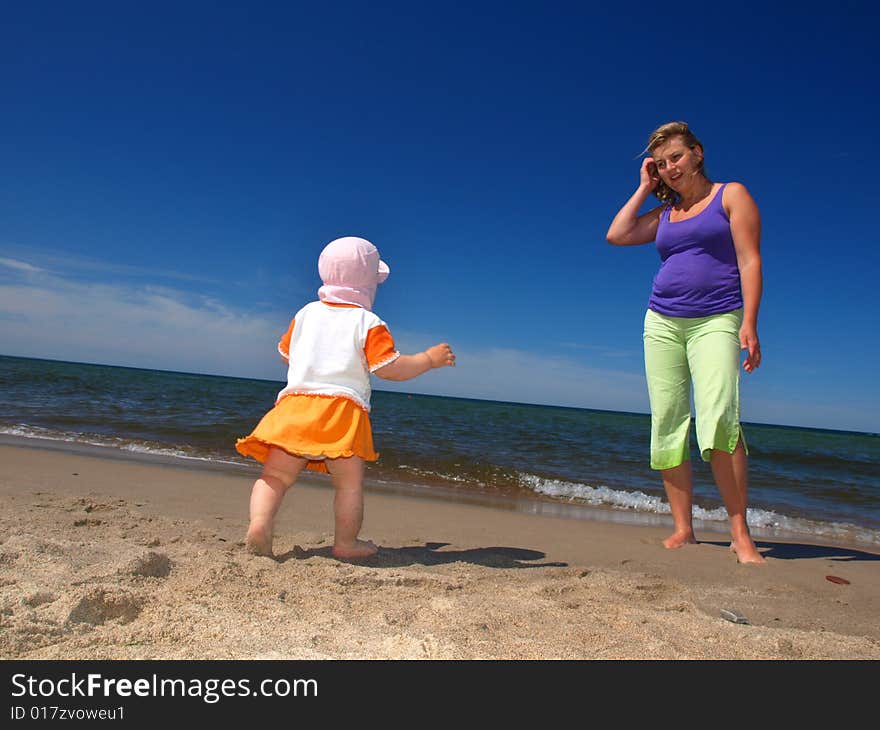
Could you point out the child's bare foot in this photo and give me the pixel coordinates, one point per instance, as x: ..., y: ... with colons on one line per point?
x: 259, y: 540
x: 680, y: 539
x: 358, y: 549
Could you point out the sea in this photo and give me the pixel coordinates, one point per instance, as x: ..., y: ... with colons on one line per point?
x: 808, y: 484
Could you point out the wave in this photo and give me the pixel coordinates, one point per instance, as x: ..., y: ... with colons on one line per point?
x: 115, y: 442
x: 763, y: 523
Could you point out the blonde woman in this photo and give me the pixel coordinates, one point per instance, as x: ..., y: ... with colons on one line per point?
x: 702, y: 312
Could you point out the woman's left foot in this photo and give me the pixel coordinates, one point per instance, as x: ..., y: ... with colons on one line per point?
x: 748, y: 553
x: 680, y: 539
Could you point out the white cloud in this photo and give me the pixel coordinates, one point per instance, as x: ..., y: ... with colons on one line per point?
x: 137, y: 326
x: 42, y: 260
x: 19, y: 265
x: 600, y: 350
x: 525, y: 377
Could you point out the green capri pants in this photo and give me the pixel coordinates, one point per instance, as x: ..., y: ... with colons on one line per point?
x: 704, y: 351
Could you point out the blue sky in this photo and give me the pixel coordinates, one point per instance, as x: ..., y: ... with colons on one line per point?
x: 170, y: 172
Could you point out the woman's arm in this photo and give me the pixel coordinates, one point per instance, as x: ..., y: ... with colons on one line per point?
x: 628, y: 227
x: 745, y: 227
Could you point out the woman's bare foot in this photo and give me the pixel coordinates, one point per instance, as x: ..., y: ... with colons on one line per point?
x: 680, y: 539
x: 747, y: 553
x: 259, y: 540
x: 359, y: 549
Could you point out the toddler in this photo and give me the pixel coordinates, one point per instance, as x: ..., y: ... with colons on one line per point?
x: 321, y: 418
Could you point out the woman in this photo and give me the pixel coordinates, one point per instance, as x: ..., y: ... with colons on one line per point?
x: 703, y: 310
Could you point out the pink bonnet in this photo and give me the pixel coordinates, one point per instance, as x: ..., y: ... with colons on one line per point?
x: 351, y: 270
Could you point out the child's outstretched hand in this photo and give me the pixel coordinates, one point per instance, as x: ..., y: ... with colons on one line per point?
x: 441, y: 356
x: 407, y: 367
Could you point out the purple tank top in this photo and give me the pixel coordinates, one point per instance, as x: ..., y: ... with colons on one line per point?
x: 698, y: 275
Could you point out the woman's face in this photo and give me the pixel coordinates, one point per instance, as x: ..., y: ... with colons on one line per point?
x: 677, y: 164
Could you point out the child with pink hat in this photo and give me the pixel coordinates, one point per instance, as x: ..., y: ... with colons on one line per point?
x: 321, y: 418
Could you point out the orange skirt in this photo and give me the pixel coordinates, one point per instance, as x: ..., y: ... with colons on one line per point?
x: 312, y: 425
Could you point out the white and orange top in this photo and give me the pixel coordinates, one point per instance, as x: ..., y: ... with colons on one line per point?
x: 332, y: 349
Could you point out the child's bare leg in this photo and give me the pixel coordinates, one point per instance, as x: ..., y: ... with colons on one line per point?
x: 679, y: 484
x: 279, y: 473
x: 348, y: 507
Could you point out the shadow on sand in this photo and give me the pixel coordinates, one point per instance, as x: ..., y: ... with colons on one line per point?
x: 802, y: 551
x: 430, y: 554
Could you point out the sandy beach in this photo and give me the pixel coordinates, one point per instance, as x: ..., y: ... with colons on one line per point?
x: 104, y: 556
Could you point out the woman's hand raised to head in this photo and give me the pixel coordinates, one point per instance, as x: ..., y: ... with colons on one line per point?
x: 648, y: 176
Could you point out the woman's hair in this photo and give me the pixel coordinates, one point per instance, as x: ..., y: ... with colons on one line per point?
x: 660, y: 136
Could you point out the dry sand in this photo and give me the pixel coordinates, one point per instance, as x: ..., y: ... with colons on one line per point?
x: 108, y: 557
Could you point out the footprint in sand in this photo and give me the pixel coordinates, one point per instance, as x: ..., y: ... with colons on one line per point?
x: 103, y: 604
x: 150, y: 565
x: 38, y: 599
x: 88, y: 522
x: 8, y: 557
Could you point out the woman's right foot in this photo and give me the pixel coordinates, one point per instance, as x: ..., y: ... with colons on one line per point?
x: 680, y: 539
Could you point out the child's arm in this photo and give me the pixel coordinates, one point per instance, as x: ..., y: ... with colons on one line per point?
x: 284, y: 343
x: 407, y: 367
